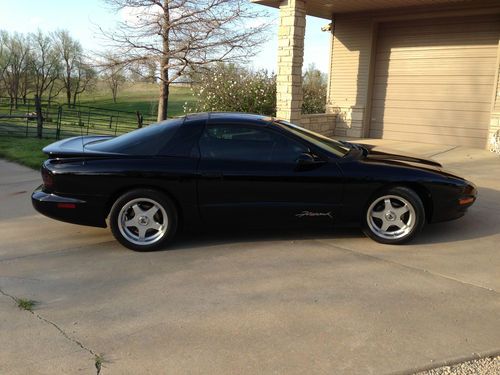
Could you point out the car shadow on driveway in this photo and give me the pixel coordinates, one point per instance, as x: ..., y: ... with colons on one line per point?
x: 190, y: 239
x: 480, y: 222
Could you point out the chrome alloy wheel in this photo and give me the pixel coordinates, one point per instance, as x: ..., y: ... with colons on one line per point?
x: 391, y: 217
x: 143, y: 221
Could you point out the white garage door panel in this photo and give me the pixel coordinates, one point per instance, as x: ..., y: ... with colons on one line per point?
x: 423, y: 104
x: 432, y: 88
x: 433, y: 42
x: 436, y: 67
x: 431, y: 128
x: 452, y: 53
x: 470, y: 119
x: 433, y: 80
x: 430, y: 138
x: 440, y: 80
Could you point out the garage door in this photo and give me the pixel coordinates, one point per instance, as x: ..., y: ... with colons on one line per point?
x: 434, y: 80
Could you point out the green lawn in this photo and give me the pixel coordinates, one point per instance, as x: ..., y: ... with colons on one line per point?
x: 141, y: 97
x: 132, y: 97
x: 26, y: 151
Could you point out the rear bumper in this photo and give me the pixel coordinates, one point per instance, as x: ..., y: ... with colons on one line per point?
x: 67, y: 209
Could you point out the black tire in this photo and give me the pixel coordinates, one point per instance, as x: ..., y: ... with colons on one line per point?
x: 144, y: 199
x: 399, y: 197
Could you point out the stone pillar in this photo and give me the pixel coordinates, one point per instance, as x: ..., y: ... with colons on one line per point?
x: 290, y: 57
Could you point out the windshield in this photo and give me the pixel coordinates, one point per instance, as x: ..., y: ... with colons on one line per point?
x: 335, y: 147
x: 145, y: 141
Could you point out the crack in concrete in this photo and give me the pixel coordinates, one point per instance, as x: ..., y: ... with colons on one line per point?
x: 421, y: 270
x: 443, y: 152
x: 437, y: 364
x: 61, y: 331
x: 66, y: 249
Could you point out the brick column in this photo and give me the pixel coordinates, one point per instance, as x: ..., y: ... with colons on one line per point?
x: 290, y: 57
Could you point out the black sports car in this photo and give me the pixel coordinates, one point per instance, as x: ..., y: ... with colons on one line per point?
x: 245, y: 170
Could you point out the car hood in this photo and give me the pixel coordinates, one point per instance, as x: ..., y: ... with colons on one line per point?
x: 381, y: 154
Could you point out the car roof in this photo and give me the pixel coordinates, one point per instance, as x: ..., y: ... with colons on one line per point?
x: 231, y: 117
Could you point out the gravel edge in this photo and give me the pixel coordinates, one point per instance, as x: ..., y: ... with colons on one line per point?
x: 483, y: 366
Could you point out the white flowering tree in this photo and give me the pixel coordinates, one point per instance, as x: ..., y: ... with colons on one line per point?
x: 227, y: 87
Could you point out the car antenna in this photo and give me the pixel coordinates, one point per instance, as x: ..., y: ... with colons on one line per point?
x: 83, y: 145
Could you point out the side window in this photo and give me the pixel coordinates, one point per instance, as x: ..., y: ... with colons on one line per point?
x: 248, y: 143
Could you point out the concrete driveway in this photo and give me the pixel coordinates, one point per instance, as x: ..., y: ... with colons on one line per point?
x: 276, y: 302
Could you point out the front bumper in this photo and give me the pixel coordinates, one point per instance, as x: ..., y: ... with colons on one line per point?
x: 455, y: 207
x: 67, y: 209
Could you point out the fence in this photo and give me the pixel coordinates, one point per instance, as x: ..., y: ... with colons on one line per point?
x: 54, y: 120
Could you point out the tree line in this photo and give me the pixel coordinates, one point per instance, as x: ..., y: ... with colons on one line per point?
x: 43, y: 64
x: 170, y: 38
x: 50, y: 65
x: 163, y: 41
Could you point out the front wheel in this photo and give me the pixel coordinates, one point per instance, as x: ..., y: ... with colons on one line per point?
x: 395, y: 216
x: 143, y: 220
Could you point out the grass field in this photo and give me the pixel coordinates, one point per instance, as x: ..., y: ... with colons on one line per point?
x: 141, y: 97
x: 26, y: 151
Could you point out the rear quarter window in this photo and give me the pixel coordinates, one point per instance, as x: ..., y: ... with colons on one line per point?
x: 146, y: 141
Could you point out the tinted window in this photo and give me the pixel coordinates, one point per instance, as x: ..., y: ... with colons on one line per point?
x: 145, y: 141
x: 325, y: 143
x: 247, y: 143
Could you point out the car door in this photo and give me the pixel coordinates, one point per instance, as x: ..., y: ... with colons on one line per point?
x: 249, y: 174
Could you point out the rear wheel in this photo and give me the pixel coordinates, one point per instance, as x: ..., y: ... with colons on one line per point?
x: 143, y: 220
x: 394, y: 216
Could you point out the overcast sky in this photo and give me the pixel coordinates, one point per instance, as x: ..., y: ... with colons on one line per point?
x: 81, y: 17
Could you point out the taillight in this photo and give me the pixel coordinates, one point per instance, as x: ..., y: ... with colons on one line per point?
x: 48, y: 178
x: 66, y: 205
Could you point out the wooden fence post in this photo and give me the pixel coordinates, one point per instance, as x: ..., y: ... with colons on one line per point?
x: 39, y: 117
x: 59, y: 118
x: 140, y: 119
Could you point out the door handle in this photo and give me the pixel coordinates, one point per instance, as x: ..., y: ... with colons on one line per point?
x: 211, y: 174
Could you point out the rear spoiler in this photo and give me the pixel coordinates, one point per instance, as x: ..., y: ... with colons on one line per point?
x: 75, y: 147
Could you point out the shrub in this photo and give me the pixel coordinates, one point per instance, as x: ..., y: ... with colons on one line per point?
x: 227, y: 87
x: 314, y: 90
x: 232, y: 88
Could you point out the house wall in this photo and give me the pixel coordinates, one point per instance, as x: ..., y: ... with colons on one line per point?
x: 322, y: 123
x: 352, y: 54
x: 349, y: 75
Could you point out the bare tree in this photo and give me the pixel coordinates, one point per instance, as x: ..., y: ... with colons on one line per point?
x: 14, y: 75
x: 45, y: 64
x: 177, y: 35
x: 84, y: 80
x: 142, y: 71
x: 4, y: 58
x: 113, y: 73
x: 78, y: 75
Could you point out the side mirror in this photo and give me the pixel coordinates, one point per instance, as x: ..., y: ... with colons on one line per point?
x: 307, y: 161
